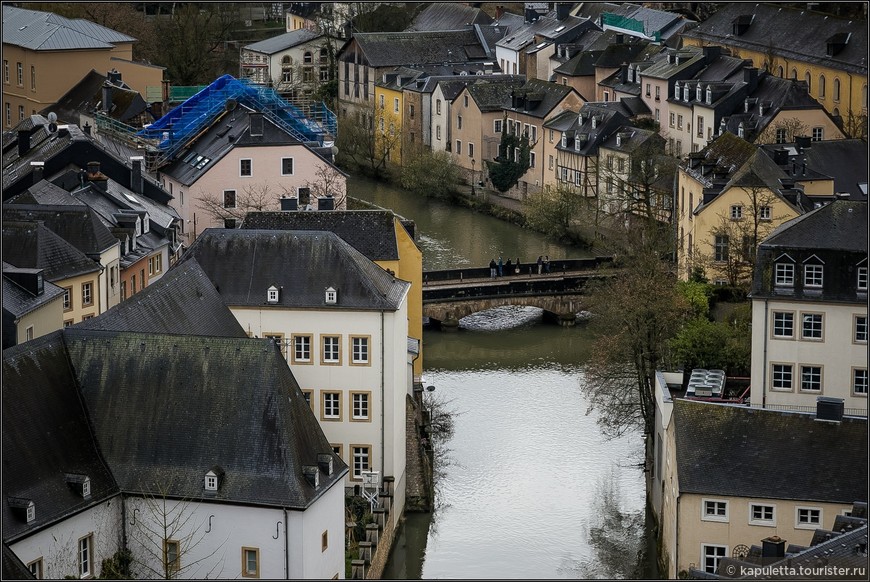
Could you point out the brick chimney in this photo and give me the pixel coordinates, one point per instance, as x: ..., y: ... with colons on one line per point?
x: 772, y: 548
x: 137, y: 182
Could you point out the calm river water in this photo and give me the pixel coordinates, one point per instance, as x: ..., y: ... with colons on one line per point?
x: 527, y: 486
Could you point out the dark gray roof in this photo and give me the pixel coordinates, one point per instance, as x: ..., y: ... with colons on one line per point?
x: 44, y: 31
x: 748, y: 452
x: 549, y: 96
x: 261, y: 446
x: 547, y: 28
x: 19, y: 302
x: 276, y: 44
x: 389, y: 49
x: 492, y: 94
x: 84, y: 97
x: 78, y: 225
x: 691, y: 59
x: 371, y: 232
x: 791, y: 32
x: 46, y: 434
x: 448, y: 16
x: 14, y: 568
x: 844, y: 160
x: 183, y: 301
x: 580, y: 65
x: 243, y: 264
x: 608, y: 120
x: 32, y: 245
x: 840, y: 225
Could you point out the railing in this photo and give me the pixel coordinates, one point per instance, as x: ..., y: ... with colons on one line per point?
x: 861, y: 412
x: 556, y: 267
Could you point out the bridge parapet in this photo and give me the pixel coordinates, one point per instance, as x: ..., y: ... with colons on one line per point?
x: 557, y: 266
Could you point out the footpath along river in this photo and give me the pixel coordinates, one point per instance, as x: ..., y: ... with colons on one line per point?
x: 528, y: 486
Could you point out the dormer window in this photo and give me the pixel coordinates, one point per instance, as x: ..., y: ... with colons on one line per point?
x: 31, y: 512
x: 686, y: 93
x: 138, y: 227
x: 862, y: 277
x: 24, y: 508
x: 331, y: 296
x: 594, y: 121
x: 81, y: 484
x: 784, y: 271
x: 814, y: 272
x: 272, y: 294
x: 709, y: 95
x: 677, y: 90
x: 213, y: 478
x: 564, y: 139
x: 698, y: 92
x: 146, y: 224
x: 618, y: 139
x: 740, y: 131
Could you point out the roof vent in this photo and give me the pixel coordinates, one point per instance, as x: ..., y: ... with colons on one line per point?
x: 324, y: 461
x: 312, y: 475
x: 829, y: 409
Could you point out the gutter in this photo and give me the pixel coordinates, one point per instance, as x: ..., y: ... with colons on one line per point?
x: 286, y: 549
x: 383, y: 398
x: 764, y: 360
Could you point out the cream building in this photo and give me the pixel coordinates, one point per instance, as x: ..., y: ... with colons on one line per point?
x: 32, y: 306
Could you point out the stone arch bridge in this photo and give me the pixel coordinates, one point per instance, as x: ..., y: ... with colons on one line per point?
x: 450, y: 295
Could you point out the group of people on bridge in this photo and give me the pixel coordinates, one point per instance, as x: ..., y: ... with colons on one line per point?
x: 500, y: 269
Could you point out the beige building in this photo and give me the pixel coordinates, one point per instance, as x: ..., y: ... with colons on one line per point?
x: 45, y: 55
x: 725, y: 476
x: 32, y: 307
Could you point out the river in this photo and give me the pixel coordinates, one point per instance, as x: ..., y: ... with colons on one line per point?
x: 527, y: 486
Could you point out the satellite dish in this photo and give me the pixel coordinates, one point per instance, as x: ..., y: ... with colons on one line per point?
x: 52, y: 116
x: 52, y: 127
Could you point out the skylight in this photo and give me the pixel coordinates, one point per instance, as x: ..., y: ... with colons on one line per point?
x: 131, y: 198
x: 560, y: 29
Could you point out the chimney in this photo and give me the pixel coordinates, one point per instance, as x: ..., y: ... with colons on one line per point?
x: 107, y: 97
x: 619, y: 38
x: 93, y: 169
x: 62, y: 130
x: 324, y: 461
x: 23, y: 142
x: 830, y: 409
x: 114, y: 77
x: 86, y: 128
x: 711, y: 53
x: 312, y: 475
x: 563, y: 10
x: 750, y: 77
x: 37, y: 169
x: 137, y: 184
x: 772, y: 547
x: 326, y: 203
x: 289, y: 204
x: 802, y: 142
x: 499, y: 12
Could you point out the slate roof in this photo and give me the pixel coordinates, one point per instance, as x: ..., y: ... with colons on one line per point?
x: 78, y: 225
x: 792, y: 33
x: 843, y: 160
x: 46, y: 434
x: 85, y: 95
x: 840, y: 225
x: 30, y: 245
x: 371, y: 232
x: 390, y: 49
x: 548, y: 28
x: 551, y: 95
x: 448, y: 16
x: 491, y: 94
x: 261, y: 446
x: 282, y: 42
x: 13, y: 568
x: 19, y: 302
x: 691, y: 59
x: 609, y: 120
x: 243, y: 264
x: 749, y: 452
x: 183, y: 301
x: 45, y: 31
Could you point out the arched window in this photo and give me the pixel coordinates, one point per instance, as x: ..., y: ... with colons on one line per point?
x: 836, y: 89
x: 307, y: 58
x: 794, y: 74
x: 809, y: 80
x: 836, y: 112
x: 780, y: 72
x: 821, y: 86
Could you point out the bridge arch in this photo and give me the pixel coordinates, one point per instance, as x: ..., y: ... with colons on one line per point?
x: 561, y: 309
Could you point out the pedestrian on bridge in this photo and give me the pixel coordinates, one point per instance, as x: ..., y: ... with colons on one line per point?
x: 547, y: 264
x: 518, y: 266
x: 508, y: 266
x: 540, y: 264
x: 499, y: 267
x: 492, y: 268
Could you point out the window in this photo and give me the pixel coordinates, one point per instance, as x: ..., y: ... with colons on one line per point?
x: 330, y: 349
x: 229, y: 198
x: 133, y: 283
x: 67, y: 298
x: 782, y: 377
x: 784, y: 274
x: 762, y: 514
x: 736, y: 212
x: 711, y: 557
x: 861, y: 329
x: 836, y: 89
x: 301, y: 349
x: 781, y: 135
x: 764, y: 213
x: 458, y: 122
x: 818, y: 134
x: 87, y: 297
x: 862, y: 278
x: 395, y: 105
x: 171, y: 558
x: 21, y: 113
x: 496, y: 125
x: 700, y: 126
x: 359, y: 346
x: 821, y: 86
x: 550, y: 163
x: 330, y: 405
x: 720, y: 247
x: 20, y: 75
x: 33, y: 77
x: 8, y: 114
x: 331, y: 296
x: 679, y: 122
x: 658, y: 93
x: 812, y: 326
x: 671, y: 118
x: 324, y: 540
x: 679, y: 149
x: 809, y: 81
x: 382, y: 101
x: 5, y: 71
x: 859, y: 381
x: 411, y: 111
x: 438, y: 132
x: 211, y: 482
x: 470, y: 150
x: 35, y: 568
x: 808, y: 517
x: 811, y: 378
x: 286, y: 166
x: 359, y: 402
x: 533, y: 137
x: 438, y: 106
x: 647, y: 89
x: 360, y: 460
x: 531, y: 159
x: 251, y: 557
x: 86, y: 545
x: 813, y: 275
x: 714, y: 510
x: 458, y: 146
x: 783, y: 324
x: 246, y: 167
x: 123, y: 290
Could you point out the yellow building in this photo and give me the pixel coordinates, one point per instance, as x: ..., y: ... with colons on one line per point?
x: 45, y: 55
x: 389, y: 105
x: 828, y: 53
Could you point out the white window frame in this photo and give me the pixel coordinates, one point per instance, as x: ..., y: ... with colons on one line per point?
x: 736, y: 211
x: 862, y: 278
x: 361, y: 460
x: 812, y: 326
x: 783, y: 274
x: 360, y: 349
x: 809, y: 524
x: 250, y: 173
x: 780, y: 323
x: 330, y: 346
x: 360, y: 405
x: 859, y: 380
x: 715, y: 557
x: 814, y: 276
x: 779, y: 376
x: 86, y: 556
x: 710, y: 510
x: 763, y: 521
x: 809, y: 378
x: 330, y: 402
x: 818, y: 134
x: 764, y: 213
x: 302, y: 348
x: 211, y: 483
x: 292, y: 167
x: 859, y: 329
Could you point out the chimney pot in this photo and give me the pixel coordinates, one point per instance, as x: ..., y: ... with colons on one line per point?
x: 37, y: 169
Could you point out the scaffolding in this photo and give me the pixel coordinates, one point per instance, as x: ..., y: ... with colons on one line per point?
x: 171, y: 133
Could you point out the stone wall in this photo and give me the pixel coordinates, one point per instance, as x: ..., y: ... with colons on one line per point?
x: 418, y: 470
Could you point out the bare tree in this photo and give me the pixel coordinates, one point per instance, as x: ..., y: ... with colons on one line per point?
x: 167, y: 537
x: 783, y: 131
x: 329, y: 181
x: 553, y: 210
x: 254, y: 198
x: 369, y: 140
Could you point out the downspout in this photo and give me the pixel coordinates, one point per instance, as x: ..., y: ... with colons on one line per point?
x: 764, y: 361
x: 383, y: 417
x: 123, y: 522
x: 677, y: 542
x: 286, y: 549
